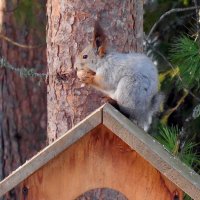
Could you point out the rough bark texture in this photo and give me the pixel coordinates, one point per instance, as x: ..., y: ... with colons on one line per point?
x: 70, y: 26
x: 22, y: 100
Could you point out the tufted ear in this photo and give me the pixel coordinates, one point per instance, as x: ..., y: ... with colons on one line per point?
x: 99, y: 40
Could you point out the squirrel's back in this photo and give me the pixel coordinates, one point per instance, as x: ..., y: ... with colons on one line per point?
x: 119, y: 65
x: 130, y: 63
x: 131, y: 79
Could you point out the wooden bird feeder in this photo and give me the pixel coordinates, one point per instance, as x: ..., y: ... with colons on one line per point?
x: 105, y: 150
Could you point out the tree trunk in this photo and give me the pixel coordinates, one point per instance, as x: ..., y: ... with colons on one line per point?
x: 70, y: 26
x: 22, y: 100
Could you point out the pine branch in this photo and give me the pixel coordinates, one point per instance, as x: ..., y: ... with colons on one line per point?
x: 174, y: 10
x: 170, y: 138
x: 18, y: 44
x: 185, y: 54
x: 23, y: 72
x: 173, y: 68
x: 169, y: 112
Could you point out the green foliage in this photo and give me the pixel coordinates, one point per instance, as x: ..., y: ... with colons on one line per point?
x: 186, y: 2
x: 185, y: 54
x: 186, y: 197
x: 179, y: 77
x: 26, y: 13
x: 188, y: 155
x: 169, y: 137
x: 30, y: 16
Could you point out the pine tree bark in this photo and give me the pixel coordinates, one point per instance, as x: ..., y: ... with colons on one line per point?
x: 22, y: 100
x: 70, y: 26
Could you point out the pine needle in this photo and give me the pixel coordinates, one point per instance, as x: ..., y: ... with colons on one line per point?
x: 185, y: 53
x: 170, y: 138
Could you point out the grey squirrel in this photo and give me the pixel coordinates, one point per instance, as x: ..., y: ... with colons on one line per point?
x: 131, y: 79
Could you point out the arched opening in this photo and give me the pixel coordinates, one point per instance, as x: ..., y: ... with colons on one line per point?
x: 103, y: 194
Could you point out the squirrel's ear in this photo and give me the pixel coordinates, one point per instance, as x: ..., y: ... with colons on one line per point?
x: 99, y: 40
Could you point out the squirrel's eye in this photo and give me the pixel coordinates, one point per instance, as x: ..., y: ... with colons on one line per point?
x: 85, y: 56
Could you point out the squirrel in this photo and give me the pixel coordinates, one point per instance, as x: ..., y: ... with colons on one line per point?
x: 131, y: 79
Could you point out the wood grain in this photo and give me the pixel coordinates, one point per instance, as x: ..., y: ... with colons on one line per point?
x: 51, y: 151
x: 98, y: 160
x: 153, y: 152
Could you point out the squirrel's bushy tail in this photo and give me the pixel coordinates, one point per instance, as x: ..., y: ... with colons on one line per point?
x: 156, y: 102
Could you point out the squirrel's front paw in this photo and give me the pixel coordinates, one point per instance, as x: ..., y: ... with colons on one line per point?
x: 86, y: 77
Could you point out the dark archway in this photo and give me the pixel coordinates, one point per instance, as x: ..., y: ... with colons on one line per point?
x: 102, y: 194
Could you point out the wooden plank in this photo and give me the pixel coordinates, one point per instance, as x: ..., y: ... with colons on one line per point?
x: 152, y: 151
x: 51, y: 151
x: 100, y: 159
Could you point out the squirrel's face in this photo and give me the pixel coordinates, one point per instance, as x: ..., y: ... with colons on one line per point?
x: 89, y: 58
x: 86, y: 59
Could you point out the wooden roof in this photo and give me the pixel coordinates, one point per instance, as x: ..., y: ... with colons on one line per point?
x: 184, y: 177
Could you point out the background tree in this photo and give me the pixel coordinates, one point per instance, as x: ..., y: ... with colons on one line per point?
x: 22, y: 100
